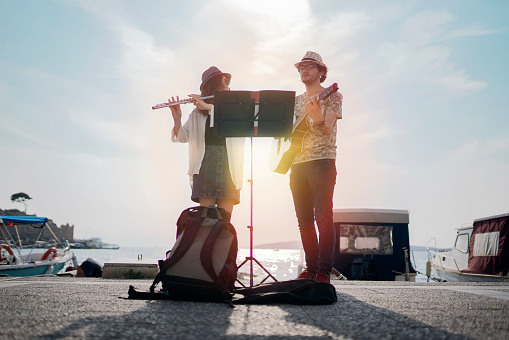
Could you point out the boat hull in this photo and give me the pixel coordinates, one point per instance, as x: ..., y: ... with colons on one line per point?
x: 54, y: 266
x: 449, y: 275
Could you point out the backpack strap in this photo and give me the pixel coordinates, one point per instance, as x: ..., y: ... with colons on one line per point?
x: 192, y: 212
x: 193, y: 224
x: 206, y: 253
x: 218, y: 216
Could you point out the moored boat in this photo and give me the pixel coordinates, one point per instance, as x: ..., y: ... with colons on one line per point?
x: 373, y: 244
x: 480, y: 253
x: 36, y: 262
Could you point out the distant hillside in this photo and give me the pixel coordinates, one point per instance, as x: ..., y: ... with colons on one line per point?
x: 280, y: 245
x: 28, y: 235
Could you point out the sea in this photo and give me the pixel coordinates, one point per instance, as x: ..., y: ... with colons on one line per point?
x: 283, y: 264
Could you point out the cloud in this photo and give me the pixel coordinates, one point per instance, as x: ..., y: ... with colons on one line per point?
x: 142, y: 62
x: 365, y: 132
x: 477, y: 151
x: 121, y: 133
x: 426, y: 27
x: 346, y: 24
x: 458, y: 82
x: 475, y: 30
x: 424, y: 53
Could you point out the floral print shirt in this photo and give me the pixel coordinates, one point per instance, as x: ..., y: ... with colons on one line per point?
x: 315, y: 144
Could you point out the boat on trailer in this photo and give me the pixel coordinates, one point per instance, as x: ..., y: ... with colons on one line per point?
x: 480, y: 253
x: 14, y: 262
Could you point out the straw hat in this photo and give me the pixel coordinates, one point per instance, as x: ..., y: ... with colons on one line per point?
x: 312, y: 57
x: 210, y: 73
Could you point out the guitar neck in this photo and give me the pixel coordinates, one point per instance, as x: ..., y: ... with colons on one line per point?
x: 323, y: 95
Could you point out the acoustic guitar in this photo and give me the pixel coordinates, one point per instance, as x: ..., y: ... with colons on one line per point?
x: 284, y: 149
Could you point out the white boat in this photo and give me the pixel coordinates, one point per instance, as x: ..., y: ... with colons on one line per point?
x: 36, y: 262
x: 480, y: 253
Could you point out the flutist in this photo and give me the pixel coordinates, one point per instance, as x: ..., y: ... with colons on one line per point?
x: 216, y: 164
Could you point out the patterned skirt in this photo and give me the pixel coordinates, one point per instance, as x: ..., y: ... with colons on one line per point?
x: 214, y: 179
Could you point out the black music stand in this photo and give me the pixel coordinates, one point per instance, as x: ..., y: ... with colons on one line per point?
x: 253, y: 114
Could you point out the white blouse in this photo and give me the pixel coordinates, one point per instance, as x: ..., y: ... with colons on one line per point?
x: 193, y: 132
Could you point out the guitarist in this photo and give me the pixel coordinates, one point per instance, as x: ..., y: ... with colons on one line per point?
x: 313, y: 171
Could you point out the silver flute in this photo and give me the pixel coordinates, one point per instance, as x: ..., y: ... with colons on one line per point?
x: 183, y: 101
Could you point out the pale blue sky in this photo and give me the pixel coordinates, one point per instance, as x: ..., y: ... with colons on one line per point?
x: 425, y: 108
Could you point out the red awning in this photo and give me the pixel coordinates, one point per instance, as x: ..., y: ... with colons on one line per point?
x: 489, y: 246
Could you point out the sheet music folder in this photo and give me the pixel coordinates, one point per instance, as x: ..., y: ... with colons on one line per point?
x: 267, y: 113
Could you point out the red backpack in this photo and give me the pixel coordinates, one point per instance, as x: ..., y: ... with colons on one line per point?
x: 201, y: 266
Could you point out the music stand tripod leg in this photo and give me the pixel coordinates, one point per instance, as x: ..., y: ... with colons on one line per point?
x: 251, y: 257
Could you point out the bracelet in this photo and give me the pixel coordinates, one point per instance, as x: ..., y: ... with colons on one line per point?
x: 320, y: 125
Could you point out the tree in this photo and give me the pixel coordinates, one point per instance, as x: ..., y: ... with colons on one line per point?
x: 21, y: 197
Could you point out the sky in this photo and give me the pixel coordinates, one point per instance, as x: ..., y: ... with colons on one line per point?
x: 425, y: 108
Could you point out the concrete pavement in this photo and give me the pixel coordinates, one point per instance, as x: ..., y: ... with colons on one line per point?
x: 87, y: 308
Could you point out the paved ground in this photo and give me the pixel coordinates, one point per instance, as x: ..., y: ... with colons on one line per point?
x: 69, y: 308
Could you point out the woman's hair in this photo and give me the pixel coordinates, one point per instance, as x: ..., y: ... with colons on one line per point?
x: 214, y: 84
x: 322, y: 69
x: 211, y: 86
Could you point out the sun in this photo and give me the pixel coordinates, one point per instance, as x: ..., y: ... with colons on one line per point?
x: 284, y: 9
